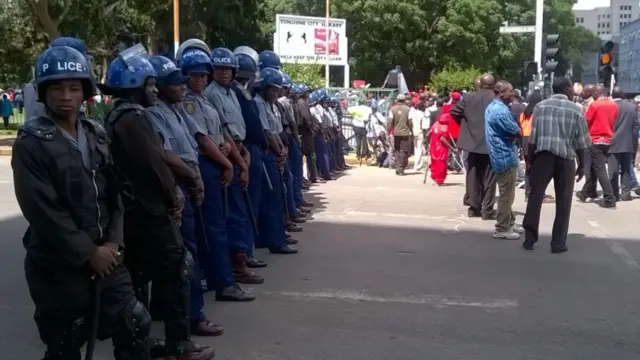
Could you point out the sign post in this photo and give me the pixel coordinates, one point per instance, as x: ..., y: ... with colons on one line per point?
x: 312, y: 40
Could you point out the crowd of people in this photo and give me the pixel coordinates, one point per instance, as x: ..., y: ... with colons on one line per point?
x: 199, y: 163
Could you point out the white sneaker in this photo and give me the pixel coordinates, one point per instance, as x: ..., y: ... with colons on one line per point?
x: 507, y: 235
x: 518, y: 229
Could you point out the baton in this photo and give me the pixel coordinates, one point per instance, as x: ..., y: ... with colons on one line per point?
x: 247, y: 202
x: 283, y: 194
x: 91, y: 344
x: 203, y: 231
x: 426, y: 160
x: 266, y: 174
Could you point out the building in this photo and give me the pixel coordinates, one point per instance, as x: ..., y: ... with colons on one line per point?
x: 605, y: 17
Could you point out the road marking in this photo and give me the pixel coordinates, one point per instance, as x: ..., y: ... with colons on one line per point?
x: 439, y: 301
x: 616, y: 247
x: 6, y: 182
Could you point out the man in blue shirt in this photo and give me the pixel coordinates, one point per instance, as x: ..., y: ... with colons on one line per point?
x: 501, y: 129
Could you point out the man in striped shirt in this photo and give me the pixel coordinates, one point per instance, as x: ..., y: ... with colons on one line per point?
x: 559, y: 136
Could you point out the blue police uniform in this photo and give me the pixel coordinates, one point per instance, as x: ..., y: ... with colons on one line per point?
x: 270, y: 219
x: 178, y: 136
x: 294, y: 159
x: 224, y: 99
x: 226, y: 247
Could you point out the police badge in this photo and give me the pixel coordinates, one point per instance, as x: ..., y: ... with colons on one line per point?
x: 190, y: 107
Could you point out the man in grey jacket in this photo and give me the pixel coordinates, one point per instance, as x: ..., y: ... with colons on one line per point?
x: 623, y: 145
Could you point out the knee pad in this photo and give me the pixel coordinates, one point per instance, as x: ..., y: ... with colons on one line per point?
x: 186, y: 270
x: 137, y: 320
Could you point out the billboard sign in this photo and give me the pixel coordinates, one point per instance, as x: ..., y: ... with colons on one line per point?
x: 303, y: 40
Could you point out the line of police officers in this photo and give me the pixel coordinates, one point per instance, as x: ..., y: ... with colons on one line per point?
x: 188, y: 182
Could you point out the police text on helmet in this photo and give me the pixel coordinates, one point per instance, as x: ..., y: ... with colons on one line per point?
x: 222, y: 60
x: 66, y: 66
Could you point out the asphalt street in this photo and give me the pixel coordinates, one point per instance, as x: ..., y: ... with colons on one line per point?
x: 390, y: 268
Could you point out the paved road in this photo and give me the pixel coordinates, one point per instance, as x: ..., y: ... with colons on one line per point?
x: 389, y: 269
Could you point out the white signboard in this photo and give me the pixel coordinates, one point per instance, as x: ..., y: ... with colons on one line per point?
x: 303, y: 40
x: 517, y: 29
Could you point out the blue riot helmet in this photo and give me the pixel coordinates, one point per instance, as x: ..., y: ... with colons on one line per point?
x: 195, y: 61
x: 270, y: 77
x: 313, y: 98
x: 223, y: 57
x: 269, y: 59
x: 130, y: 70
x: 188, y: 45
x: 167, y: 72
x: 286, y: 81
x: 63, y: 63
x: 247, y: 68
x: 246, y: 50
x: 296, y: 89
x: 305, y: 88
x: 323, y: 95
x: 71, y: 42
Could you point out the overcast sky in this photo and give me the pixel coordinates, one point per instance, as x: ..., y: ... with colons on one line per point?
x: 590, y: 4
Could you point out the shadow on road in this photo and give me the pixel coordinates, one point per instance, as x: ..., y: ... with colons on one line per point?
x: 368, y: 291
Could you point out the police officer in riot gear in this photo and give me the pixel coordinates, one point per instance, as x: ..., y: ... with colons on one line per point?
x: 33, y: 107
x: 155, y: 249
x: 270, y: 218
x: 69, y: 192
x: 224, y: 99
x: 322, y: 136
x: 308, y: 130
x: 255, y: 141
x: 177, y: 136
x: 217, y: 171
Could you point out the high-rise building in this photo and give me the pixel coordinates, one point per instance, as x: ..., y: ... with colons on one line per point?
x: 605, y: 17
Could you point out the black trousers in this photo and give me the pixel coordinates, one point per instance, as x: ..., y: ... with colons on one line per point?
x: 156, y: 254
x: 620, y: 164
x: 465, y: 162
x: 362, y: 147
x: 64, y: 299
x: 599, y: 154
x: 545, y: 167
x: 481, y: 183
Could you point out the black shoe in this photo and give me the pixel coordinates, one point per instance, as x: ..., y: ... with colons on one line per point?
x: 637, y: 191
x: 608, y: 205
x: 527, y: 245
x: 300, y: 219
x: 254, y: 263
x: 157, y: 348
x: 490, y: 215
x: 234, y: 293
x: 581, y: 198
x: 291, y: 241
x: 293, y: 228
x: 559, y: 249
x: 473, y: 213
x: 285, y: 250
x: 260, y: 246
x: 626, y: 197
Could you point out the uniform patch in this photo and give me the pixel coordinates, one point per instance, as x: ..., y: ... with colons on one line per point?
x: 190, y: 107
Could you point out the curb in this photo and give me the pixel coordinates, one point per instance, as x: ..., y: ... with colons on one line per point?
x: 5, y: 151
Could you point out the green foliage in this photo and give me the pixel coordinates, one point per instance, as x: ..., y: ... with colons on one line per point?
x: 311, y: 75
x: 453, y: 79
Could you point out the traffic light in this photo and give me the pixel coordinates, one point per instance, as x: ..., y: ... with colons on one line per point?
x: 606, y: 68
x: 552, y: 49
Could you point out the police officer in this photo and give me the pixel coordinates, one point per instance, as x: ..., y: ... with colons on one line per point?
x: 178, y: 137
x: 320, y: 139
x: 270, y: 218
x: 255, y: 140
x: 308, y: 129
x: 217, y: 173
x: 155, y: 249
x: 33, y: 107
x: 336, y: 129
x: 69, y: 192
x: 239, y: 224
x: 295, y: 153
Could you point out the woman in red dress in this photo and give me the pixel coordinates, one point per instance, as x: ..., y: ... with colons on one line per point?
x: 439, y: 149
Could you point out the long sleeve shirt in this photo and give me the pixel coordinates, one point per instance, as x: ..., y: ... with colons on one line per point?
x: 500, y: 129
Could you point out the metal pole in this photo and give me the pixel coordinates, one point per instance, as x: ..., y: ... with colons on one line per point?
x: 538, y: 37
x: 326, y: 66
x: 176, y: 26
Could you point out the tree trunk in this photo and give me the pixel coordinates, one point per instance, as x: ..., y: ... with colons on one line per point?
x: 50, y: 25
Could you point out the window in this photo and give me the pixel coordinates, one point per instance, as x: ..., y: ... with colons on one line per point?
x: 608, y: 25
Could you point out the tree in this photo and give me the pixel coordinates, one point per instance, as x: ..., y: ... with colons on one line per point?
x: 306, y: 74
x: 50, y: 14
x: 19, y: 45
x: 453, y: 79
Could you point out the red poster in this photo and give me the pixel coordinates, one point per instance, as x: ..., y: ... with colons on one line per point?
x: 321, y: 42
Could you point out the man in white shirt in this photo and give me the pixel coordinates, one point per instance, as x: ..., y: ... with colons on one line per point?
x: 420, y: 119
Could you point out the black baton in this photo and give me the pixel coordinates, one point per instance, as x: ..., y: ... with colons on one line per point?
x: 91, y: 344
x: 252, y: 215
x: 203, y: 232
x: 284, y: 195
